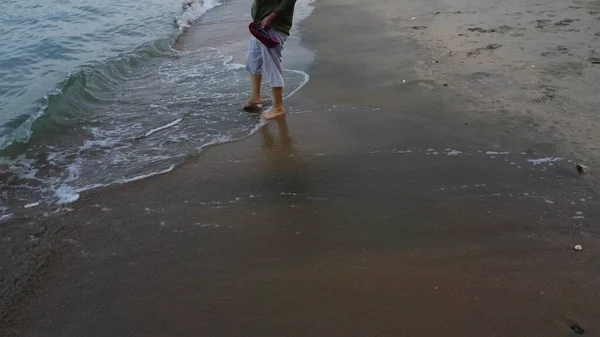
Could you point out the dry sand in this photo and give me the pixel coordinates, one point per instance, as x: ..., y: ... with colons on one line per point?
x: 525, y: 72
x: 388, y: 204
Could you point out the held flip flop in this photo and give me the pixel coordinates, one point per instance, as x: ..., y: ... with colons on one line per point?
x: 262, y: 35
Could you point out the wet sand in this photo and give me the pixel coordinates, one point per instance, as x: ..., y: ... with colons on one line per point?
x: 372, y: 209
x: 333, y: 229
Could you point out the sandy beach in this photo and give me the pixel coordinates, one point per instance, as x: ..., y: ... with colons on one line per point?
x: 423, y: 184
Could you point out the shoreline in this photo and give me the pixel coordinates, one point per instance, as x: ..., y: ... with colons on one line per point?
x: 32, y: 233
x: 246, y: 213
x: 340, y: 142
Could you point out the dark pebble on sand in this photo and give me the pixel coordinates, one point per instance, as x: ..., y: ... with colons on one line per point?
x: 578, y: 329
x: 595, y: 60
x: 581, y: 168
x: 419, y: 27
x: 493, y: 46
x: 445, y: 84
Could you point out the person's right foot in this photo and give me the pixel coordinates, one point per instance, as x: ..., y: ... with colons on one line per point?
x: 274, y: 113
x: 253, y: 104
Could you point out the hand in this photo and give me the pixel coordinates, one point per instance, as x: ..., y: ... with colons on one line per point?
x: 268, y: 21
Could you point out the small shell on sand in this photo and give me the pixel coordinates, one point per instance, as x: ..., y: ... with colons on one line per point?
x: 578, y: 248
x: 33, y: 204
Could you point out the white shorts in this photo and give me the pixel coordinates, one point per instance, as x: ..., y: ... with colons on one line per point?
x: 261, y: 58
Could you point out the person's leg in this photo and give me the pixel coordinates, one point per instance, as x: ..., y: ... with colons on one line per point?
x: 255, y: 98
x: 254, y: 64
x: 278, y: 109
x: 273, y: 66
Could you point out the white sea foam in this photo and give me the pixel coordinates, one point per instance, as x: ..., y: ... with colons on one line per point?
x: 306, y: 79
x: 540, y: 161
x: 193, y: 10
x: 119, y: 181
x: 66, y: 195
x: 144, y: 176
x: 302, y: 10
x: 235, y: 66
x: 160, y: 128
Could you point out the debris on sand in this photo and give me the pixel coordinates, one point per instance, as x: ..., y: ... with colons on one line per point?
x: 419, y: 27
x: 33, y: 204
x: 578, y: 329
x: 548, y: 94
x: 481, y: 30
x: 581, y: 168
x: 541, y: 24
x: 506, y: 28
x: 595, y: 60
x: 493, y: 46
x: 565, y: 22
x: 477, y: 51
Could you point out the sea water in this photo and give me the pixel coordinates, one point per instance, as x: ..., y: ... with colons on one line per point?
x: 95, y: 93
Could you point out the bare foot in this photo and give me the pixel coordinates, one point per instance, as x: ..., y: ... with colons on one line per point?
x: 252, y: 104
x: 274, y: 112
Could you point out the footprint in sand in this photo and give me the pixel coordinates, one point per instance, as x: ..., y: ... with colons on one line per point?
x: 566, y: 22
x: 542, y: 23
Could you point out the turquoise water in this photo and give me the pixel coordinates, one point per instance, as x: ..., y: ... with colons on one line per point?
x: 43, y: 42
x: 93, y: 93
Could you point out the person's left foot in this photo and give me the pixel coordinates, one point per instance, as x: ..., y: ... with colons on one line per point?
x: 253, y: 104
x: 274, y: 112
